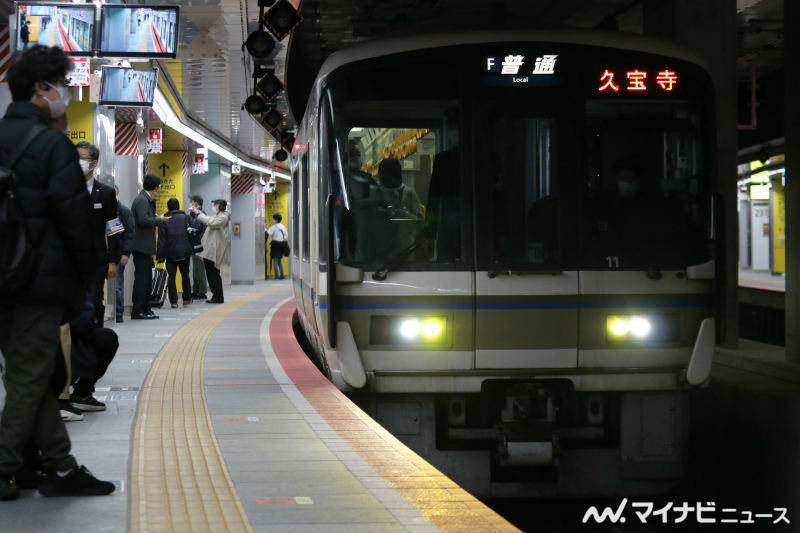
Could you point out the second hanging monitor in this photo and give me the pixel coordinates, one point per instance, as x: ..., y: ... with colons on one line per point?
x: 139, y: 31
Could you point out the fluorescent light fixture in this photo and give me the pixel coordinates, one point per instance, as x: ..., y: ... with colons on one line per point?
x: 165, y: 112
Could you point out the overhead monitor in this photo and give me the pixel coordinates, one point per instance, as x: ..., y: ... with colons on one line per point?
x: 138, y: 31
x: 70, y: 27
x: 126, y: 87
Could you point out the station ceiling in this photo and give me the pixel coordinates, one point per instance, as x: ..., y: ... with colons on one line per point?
x: 213, y: 73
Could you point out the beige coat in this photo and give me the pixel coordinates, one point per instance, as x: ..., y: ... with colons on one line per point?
x: 217, y: 238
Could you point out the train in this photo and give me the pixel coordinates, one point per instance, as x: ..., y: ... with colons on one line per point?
x: 504, y: 248
x: 164, y: 22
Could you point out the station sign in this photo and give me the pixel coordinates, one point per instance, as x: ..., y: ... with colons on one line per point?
x: 79, y: 75
x: 154, y: 140
x: 516, y: 68
x: 636, y: 80
x: 200, y: 165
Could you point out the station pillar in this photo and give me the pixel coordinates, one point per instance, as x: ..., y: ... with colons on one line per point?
x: 709, y: 29
x: 243, y: 235
x: 791, y: 19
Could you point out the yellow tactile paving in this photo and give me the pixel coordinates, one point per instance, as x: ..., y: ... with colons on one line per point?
x: 178, y: 479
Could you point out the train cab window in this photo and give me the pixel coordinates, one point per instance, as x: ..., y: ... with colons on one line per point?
x: 645, y: 184
x: 402, y: 181
x: 520, y: 218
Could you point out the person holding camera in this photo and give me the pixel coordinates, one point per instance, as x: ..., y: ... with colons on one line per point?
x: 216, y: 246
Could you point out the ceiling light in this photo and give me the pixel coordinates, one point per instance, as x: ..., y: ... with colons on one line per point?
x: 270, y: 86
x: 272, y: 119
x: 163, y: 109
x: 281, y: 19
x: 255, y: 104
x: 259, y: 44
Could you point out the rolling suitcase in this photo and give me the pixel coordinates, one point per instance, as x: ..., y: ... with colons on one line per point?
x: 159, y: 288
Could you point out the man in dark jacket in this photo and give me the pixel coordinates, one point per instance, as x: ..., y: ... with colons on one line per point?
x: 144, y: 246
x: 56, y: 210
x: 126, y: 247
x: 174, y: 246
x: 106, y: 228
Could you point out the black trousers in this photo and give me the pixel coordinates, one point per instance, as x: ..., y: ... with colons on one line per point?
x: 105, y: 347
x: 172, y: 266
x: 142, y: 283
x: 214, y: 280
x: 97, y: 287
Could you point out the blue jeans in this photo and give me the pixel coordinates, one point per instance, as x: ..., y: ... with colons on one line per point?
x: 276, y: 262
x: 120, y: 289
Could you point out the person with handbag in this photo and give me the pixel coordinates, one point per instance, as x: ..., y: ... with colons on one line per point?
x: 279, y: 246
x: 144, y: 246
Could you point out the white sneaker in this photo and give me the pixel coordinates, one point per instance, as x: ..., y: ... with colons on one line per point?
x: 68, y: 416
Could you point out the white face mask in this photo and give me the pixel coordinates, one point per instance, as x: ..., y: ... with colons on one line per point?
x: 58, y: 107
x: 84, y: 166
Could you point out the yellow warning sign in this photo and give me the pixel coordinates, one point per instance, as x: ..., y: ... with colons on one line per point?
x: 79, y: 118
x: 167, y: 166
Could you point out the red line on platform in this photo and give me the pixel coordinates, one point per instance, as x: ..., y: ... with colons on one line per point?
x: 156, y: 44
x: 64, y: 40
x: 404, y: 471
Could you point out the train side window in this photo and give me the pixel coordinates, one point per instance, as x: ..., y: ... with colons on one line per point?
x: 295, y: 218
x: 304, y: 185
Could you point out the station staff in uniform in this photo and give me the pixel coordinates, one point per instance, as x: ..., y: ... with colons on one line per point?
x: 106, y: 228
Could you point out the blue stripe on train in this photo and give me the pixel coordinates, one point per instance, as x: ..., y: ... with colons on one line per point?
x: 514, y: 306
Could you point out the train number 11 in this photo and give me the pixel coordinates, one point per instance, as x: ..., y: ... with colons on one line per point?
x: 613, y: 261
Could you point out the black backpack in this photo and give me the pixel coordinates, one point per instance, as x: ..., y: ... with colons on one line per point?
x: 17, y: 255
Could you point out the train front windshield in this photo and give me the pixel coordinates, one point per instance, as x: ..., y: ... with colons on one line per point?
x: 439, y: 161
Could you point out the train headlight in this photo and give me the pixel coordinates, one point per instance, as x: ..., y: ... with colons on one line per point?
x: 618, y: 327
x: 410, y: 328
x: 640, y: 327
x: 421, y: 331
x: 623, y: 327
x: 431, y: 329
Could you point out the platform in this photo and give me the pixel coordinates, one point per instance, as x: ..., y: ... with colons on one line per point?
x: 217, y: 421
x: 761, y: 280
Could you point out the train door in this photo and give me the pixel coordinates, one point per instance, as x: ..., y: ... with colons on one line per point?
x: 526, y: 296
